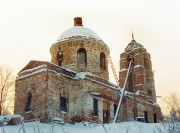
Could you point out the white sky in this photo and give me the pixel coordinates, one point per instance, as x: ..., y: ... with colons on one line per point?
x: 29, y: 27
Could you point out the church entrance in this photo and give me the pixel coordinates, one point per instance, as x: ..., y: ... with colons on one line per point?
x: 106, y: 112
x: 155, y: 118
x: 146, y: 116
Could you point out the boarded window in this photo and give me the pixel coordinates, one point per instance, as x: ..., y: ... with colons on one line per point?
x: 59, y: 58
x: 95, y: 107
x: 102, y: 60
x: 29, y: 103
x: 63, y: 104
x: 82, y: 57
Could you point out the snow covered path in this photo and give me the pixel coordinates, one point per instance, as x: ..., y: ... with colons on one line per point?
x: 124, y: 127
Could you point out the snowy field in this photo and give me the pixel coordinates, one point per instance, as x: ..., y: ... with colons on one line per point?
x: 124, y: 127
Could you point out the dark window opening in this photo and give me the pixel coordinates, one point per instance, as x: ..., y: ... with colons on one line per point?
x: 134, y: 114
x: 150, y: 93
x: 115, y: 109
x: 63, y: 104
x: 59, y: 58
x: 155, y: 118
x: 102, y: 60
x: 95, y: 107
x: 29, y: 103
x: 82, y: 57
x: 146, y: 116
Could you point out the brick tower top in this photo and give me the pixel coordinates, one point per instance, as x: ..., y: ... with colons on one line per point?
x: 133, y: 45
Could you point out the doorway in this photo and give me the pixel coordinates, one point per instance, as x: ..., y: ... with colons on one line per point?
x: 105, y: 112
x: 146, y: 116
x: 155, y: 118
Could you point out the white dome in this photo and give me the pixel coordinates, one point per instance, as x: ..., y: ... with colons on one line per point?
x: 78, y: 31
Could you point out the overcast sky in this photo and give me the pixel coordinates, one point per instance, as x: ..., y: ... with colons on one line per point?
x: 29, y: 27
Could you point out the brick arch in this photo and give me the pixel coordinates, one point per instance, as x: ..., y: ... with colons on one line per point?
x: 29, y: 102
x: 82, y: 57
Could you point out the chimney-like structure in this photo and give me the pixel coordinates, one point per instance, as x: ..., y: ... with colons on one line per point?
x: 78, y: 21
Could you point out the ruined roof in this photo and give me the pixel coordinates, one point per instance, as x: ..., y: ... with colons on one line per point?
x: 35, y: 67
x: 32, y: 64
x: 133, y: 45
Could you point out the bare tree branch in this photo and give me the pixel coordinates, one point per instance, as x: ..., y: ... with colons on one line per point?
x: 6, y: 88
x: 172, y: 105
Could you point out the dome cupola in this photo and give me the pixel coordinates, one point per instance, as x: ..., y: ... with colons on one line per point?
x: 82, y: 50
x: 78, y: 31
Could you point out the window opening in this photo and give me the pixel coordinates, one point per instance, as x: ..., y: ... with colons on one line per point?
x: 59, y: 58
x: 115, y: 109
x: 63, y: 104
x: 102, y: 60
x: 95, y: 107
x: 82, y: 57
x: 29, y: 103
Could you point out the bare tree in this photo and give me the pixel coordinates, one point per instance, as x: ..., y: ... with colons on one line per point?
x: 172, y: 105
x: 6, y: 88
x: 171, y: 122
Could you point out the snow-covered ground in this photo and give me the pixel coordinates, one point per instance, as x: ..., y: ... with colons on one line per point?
x: 124, y: 127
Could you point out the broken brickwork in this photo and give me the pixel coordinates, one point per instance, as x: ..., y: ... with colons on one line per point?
x: 93, y: 48
x: 75, y: 85
x: 144, y: 88
x: 48, y: 82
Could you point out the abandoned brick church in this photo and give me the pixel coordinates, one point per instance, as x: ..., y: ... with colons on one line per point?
x: 75, y: 85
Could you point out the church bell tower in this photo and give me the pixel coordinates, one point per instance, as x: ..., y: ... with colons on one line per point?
x: 143, y: 77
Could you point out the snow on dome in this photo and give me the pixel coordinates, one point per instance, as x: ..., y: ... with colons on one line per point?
x: 78, y: 31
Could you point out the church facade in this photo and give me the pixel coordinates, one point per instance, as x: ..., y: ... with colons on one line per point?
x: 75, y: 85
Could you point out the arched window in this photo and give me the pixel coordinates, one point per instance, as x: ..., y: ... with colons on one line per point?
x: 102, y: 60
x: 82, y: 57
x: 59, y: 58
x: 29, y: 103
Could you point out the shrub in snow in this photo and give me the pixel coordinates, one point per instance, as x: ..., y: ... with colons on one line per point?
x: 89, y: 124
x: 58, y: 121
x: 170, y: 125
x: 11, y: 120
